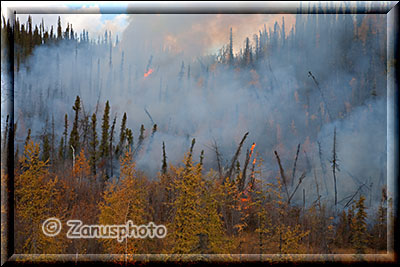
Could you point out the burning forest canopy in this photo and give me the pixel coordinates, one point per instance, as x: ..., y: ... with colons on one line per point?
x: 304, y: 101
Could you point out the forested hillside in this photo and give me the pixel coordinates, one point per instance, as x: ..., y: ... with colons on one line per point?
x: 278, y: 146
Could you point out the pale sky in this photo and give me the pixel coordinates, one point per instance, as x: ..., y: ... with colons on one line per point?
x: 95, y: 23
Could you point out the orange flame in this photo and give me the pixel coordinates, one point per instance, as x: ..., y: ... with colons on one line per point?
x: 254, y: 161
x: 150, y: 71
x: 251, y: 149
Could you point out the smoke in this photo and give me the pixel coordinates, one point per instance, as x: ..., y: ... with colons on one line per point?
x: 194, y: 35
x: 275, y: 99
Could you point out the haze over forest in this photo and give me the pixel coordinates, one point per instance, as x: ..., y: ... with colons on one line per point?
x: 300, y: 103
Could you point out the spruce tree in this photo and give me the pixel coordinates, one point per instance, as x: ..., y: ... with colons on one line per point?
x: 122, y: 136
x: 359, y: 227
x: 129, y: 138
x: 74, y: 137
x: 93, y: 145
x: 111, y: 144
x: 59, y: 29
x: 187, y: 203
x: 46, y: 148
x: 61, y: 149
x: 28, y: 138
x: 65, y: 133
x: 164, y: 161
x: 141, y: 139
x: 104, y: 146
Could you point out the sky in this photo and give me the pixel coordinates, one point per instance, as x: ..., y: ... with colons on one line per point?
x: 96, y: 22
x: 213, y: 29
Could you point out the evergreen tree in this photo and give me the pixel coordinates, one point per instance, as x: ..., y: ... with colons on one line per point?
x: 28, y: 138
x: 35, y: 194
x: 141, y: 139
x: 122, y: 202
x: 93, y: 158
x: 129, y: 138
x: 164, y: 161
x: 61, y: 152
x: 74, y: 136
x: 104, y: 145
x: 359, y: 227
x: 122, y: 137
x: 81, y: 168
x: 111, y: 144
x: 59, y: 29
x: 53, y: 140
x: 46, y: 148
x: 65, y: 133
x: 187, y: 218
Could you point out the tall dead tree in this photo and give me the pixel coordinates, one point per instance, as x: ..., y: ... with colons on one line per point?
x: 322, y: 94
x: 334, y: 164
x: 294, y: 165
x: 303, y: 175
x: 164, y: 161
x: 235, y: 157
x: 282, y: 175
x: 246, y: 163
x: 111, y: 145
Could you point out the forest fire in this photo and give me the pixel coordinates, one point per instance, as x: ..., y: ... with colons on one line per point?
x: 251, y: 149
x: 120, y: 141
x: 146, y: 74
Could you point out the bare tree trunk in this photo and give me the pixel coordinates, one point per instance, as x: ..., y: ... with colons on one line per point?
x: 282, y: 174
x: 294, y: 166
x: 334, y: 164
x: 229, y: 173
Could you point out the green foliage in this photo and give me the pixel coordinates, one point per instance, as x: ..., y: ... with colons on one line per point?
x: 359, y: 227
x: 74, y: 136
x: 104, y: 143
x: 122, y: 137
x: 46, y: 148
x: 93, y: 158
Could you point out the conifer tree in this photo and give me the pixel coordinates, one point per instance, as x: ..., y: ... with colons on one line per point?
x: 122, y: 202
x: 93, y: 158
x: 187, y: 218
x: 81, y: 168
x: 380, y: 228
x: 164, y: 161
x: 359, y: 227
x: 129, y: 138
x: 53, y: 142
x: 74, y: 136
x: 46, y: 148
x: 104, y: 145
x: 211, y: 224
x: 61, y: 152
x: 140, y: 141
x: 122, y: 137
x: 59, y: 29
x: 28, y: 138
x: 111, y: 144
x: 35, y: 191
